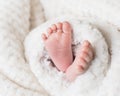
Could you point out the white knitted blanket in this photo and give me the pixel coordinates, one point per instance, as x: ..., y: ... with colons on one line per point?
x: 20, y: 72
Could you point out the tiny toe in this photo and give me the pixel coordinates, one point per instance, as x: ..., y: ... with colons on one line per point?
x: 79, y: 60
x: 83, y: 63
x: 58, y: 33
x: 89, y: 50
x: 85, y: 49
x: 86, y: 43
x: 66, y: 27
x: 86, y: 57
x: 49, y: 31
x: 59, y: 26
x: 81, y: 68
x: 91, y: 54
x: 54, y: 27
x: 86, y: 46
x: 44, y: 37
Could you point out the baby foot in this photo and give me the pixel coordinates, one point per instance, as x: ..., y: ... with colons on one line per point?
x: 58, y: 45
x: 82, y: 61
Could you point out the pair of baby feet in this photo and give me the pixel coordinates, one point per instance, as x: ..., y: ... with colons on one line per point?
x: 58, y: 43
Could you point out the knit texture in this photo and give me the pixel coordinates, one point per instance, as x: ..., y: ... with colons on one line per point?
x: 19, y: 17
x: 16, y: 78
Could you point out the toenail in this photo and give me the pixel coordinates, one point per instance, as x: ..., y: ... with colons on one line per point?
x: 54, y: 28
x: 59, y: 25
x: 49, y: 30
x: 86, y: 43
x: 60, y: 31
x: 84, y: 50
x: 44, y: 36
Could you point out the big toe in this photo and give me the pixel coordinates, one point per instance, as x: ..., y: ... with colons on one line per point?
x: 87, y: 48
x: 66, y: 27
x: 86, y: 43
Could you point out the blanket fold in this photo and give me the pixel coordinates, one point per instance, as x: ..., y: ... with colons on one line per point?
x: 24, y: 69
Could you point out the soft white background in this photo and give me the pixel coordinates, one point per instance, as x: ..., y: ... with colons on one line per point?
x: 17, y: 18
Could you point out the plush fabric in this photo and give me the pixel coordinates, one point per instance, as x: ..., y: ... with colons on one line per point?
x: 16, y: 78
x: 44, y: 70
x: 19, y: 74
